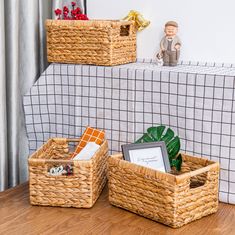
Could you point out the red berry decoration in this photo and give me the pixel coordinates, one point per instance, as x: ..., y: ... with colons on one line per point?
x: 58, y: 13
x: 75, y: 13
x: 65, y: 9
x: 78, y: 10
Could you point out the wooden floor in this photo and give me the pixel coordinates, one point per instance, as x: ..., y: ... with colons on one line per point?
x: 17, y: 216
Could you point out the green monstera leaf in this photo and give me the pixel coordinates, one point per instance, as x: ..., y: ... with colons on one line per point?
x: 172, y: 143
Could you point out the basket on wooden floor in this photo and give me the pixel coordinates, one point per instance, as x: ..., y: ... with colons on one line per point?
x: 99, y: 42
x: 174, y: 200
x: 81, y: 188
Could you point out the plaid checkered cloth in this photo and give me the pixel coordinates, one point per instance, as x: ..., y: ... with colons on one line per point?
x: 196, y: 100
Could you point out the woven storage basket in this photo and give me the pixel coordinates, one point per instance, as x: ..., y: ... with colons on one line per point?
x: 174, y: 200
x: 99, y: 42
x: 81, y: 189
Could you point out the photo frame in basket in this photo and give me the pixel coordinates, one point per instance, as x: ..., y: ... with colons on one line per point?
x: 152, y: 155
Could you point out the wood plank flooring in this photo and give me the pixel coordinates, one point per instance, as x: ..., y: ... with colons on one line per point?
x: 18, y: 217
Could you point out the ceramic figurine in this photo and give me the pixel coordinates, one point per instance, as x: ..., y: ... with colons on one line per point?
x: 170, y: 44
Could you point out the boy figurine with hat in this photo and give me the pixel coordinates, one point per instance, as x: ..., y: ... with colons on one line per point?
x: 170, y: 44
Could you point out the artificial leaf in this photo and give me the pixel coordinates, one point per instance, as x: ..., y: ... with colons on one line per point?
x: 177, y: 162
x: 180, y: 161
x: 168, y: 136
x: 173, y: 147
x: 156, y: 132
x: 147, y: 138
x: 144, y: 139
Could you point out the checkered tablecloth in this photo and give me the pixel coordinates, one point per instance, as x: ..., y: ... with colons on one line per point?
x: 194, y: 99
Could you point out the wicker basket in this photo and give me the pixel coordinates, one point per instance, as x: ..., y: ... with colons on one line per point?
x: 99, y: 42
x: 80, y: 189
x: 174, y: 200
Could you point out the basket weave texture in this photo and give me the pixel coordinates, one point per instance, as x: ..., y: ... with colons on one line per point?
x: 174, y: 200
x: 81, y: 189
x: 99, y: 42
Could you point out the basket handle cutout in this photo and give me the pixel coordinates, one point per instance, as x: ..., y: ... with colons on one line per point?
x: 124, y: 30
x: 198, y: 180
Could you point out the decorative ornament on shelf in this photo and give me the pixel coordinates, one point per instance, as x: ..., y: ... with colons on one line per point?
x: 140, y: 22
x: 172, y: 143
x: 170, y: 45
x: 75, y: 13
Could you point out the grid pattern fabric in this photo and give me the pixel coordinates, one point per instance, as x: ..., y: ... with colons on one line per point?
x: 196, y: 100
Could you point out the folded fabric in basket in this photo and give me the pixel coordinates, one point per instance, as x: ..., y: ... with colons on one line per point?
x: 89, y: 135
x: 87, y: 152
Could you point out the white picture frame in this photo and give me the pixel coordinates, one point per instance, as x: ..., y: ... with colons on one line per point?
x: 152, y: 155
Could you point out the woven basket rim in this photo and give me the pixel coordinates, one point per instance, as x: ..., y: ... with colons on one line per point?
x: 94, y: 22
x: 211, y: 165
x: 33, y: 159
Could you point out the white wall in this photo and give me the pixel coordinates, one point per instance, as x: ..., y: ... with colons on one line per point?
x: 206, y: 27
